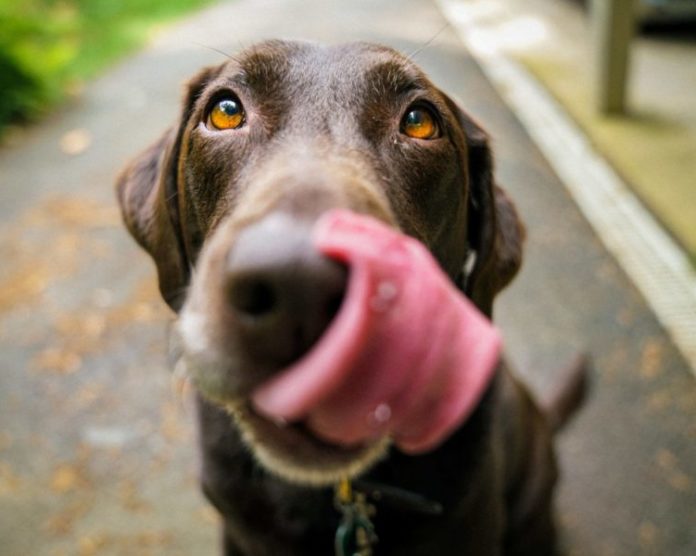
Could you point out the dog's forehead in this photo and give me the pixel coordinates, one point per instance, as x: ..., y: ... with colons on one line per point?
x: 373, y: 69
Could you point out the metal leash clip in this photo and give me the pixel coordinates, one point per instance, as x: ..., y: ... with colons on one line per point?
x: 355, y: 535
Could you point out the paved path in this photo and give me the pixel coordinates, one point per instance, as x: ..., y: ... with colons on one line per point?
x: 97, y: 454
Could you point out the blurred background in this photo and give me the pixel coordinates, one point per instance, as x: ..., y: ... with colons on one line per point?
x: 97, y: 451
x: 49, y: 49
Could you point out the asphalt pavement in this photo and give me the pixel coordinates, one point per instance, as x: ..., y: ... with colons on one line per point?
x: 97, y: 452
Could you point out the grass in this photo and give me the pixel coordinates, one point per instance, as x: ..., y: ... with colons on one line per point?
x: 48, y: 48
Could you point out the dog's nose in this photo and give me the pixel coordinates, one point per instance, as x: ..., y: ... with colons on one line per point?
x: 281, y: 291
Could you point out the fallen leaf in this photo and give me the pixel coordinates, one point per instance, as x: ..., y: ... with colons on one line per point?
x: 57, y: 360
x: 676, y: 478
x: 9, y: 480
x: 647, y: 534
x: 65, y: 478
x: 63, y: 522
x: 6, y: 441
x: 153, y: 539
x: 131, y: 499
x: 75, y: 141
x: 681, y: 482
x: 91, y: 544
x: 651, y: 359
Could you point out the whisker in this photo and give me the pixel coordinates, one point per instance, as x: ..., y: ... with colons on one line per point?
x: 225, y: 54
x: 171, y: 197
x: 427, y: 43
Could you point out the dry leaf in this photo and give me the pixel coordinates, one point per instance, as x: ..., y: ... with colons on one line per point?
x: 65, y: 478
x: 57, y: 360
x: 75, y: 141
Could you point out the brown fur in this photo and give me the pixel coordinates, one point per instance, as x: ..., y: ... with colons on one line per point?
x: 322, y: 132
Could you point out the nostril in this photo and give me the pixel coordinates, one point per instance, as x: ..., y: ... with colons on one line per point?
x: 333, y: 304
x: 252, y: 297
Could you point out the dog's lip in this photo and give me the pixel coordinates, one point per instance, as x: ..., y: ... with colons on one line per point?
x: 297, y: 429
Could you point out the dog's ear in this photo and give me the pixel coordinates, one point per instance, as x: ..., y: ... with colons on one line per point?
x: 495, y: 231
x: 147, y: 191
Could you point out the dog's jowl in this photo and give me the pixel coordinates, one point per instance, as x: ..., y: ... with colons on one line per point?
x: 326, y: 225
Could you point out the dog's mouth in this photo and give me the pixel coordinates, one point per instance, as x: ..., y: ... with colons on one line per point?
x: 406, y: 356
x: 294, y: 452
x: 406, y: 360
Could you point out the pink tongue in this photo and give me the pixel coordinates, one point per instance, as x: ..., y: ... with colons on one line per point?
x: 407, y: 355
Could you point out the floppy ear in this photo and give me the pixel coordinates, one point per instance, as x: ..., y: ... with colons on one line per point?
x: 495, y: 231
x: 147, y: 191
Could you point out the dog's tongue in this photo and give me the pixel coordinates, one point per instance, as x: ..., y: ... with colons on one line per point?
x: 407, y: 355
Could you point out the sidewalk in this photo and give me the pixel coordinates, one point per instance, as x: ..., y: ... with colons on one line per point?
x: 97, y: 455
x: 653, y: 146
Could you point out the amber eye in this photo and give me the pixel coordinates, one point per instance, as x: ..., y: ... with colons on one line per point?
x: 226, y: 114
x: 419, y: 123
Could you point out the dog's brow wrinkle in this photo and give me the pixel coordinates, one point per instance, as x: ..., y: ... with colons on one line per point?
x: 265, y: 64
x: 264, y: 77
x: 391, y: 78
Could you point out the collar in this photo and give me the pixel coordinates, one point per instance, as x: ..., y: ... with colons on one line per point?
x: 398, y: 498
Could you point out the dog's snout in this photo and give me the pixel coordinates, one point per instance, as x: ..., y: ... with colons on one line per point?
x: 281, y: 292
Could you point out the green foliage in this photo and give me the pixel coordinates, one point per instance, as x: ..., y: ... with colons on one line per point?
x: 48, y: 47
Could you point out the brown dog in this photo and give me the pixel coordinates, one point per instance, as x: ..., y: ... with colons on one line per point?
x: 224, y: 203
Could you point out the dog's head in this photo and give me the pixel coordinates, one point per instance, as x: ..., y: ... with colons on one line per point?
x: 225, y: 202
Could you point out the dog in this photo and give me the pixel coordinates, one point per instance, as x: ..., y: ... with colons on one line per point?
x: 267, y: 143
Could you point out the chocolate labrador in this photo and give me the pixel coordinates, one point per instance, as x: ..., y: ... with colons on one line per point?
x: 225, y: 201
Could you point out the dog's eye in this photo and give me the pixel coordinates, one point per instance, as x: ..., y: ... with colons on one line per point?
x: 420, y: 123
x: 227, y: 113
